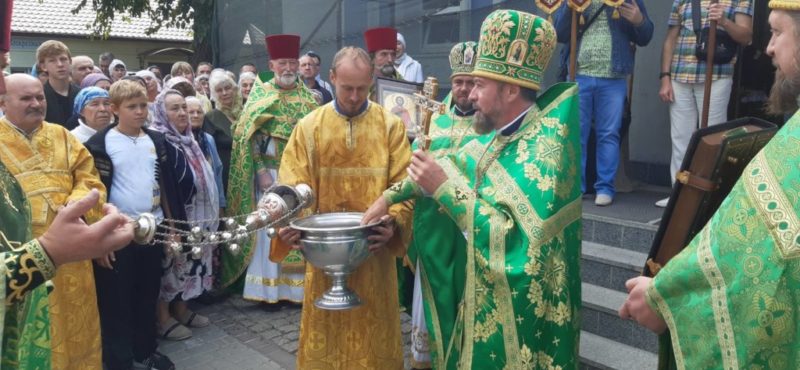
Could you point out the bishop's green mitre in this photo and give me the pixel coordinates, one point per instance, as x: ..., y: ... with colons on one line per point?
x: 515, y: 47
x: 462, y: 58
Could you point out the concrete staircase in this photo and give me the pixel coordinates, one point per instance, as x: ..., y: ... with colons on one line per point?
x: 614, y: 250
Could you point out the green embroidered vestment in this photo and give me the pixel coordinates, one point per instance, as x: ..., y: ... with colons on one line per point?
x: 437, y: 243
x: 25, y: 323
x: 518, y: 202
x: 269, y: 115
x: 731, y: 298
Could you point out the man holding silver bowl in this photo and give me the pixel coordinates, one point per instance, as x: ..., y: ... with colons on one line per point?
x: 349, y: 152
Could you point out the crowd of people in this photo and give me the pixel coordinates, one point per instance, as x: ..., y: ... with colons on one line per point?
x: 192, y: 147
x: 485, y: 209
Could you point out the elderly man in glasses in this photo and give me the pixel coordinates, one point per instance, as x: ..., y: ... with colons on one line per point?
x: 309, y: 69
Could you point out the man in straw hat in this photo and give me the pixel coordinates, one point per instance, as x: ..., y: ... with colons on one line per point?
x: 730, y: 298
x: 437, y: 249
x: 517, y: 200
x: 259, y: 139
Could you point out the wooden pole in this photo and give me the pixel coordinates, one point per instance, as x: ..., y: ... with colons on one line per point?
x: 710, y: 48
x: 573, y: 45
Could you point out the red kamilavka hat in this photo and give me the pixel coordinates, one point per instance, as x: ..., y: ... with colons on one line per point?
x: 283, y: 46
x: 380, y: 38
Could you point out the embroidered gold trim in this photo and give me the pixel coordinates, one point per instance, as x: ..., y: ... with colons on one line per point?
x: 719, y: 301
x: 272, y: 282
x: 502, y: 291
x: 259, y: 299
x: 536, y: 229
x: 41, y: 259
x: 3, y: 272
x: 353, y: 171
x: 467, y: 312
x: 5, y: 177
x: 654, y: 296
x: 774, y: 208
x: 438, y: 341
x: 310, y: 146
x: 469, y: 291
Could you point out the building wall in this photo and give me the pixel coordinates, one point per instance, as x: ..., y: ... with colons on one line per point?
x: 132, y: 52
x: 429, y: 42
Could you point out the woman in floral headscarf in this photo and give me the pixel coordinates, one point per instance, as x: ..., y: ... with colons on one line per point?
x: 186, y: 276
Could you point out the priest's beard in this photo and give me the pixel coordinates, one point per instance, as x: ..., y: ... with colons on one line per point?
x: 784, y: 94
x: 482, y: 124
x: 485, y: 119
x: 387, y: 70
x: 463, y: 103
x: 287, y: 78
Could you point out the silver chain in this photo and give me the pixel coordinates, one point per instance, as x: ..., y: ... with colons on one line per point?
x: 235, y: 232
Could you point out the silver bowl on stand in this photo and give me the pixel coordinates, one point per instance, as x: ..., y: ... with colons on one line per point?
x: 336, y: 243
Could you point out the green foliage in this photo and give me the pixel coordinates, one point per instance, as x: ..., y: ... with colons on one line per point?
x: 162, y: 13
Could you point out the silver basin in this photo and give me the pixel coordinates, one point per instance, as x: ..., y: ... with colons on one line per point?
x: 336, y: 243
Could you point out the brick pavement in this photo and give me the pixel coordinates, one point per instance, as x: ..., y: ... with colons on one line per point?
x: 246, y: 335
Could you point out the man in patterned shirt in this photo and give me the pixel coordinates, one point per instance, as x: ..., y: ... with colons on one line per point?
x: 683, y: 75
x: 601, y: 74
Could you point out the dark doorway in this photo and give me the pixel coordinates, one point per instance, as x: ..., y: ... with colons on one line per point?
x: 754, y: 72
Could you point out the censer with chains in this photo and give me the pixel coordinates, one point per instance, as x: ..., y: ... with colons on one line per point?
x: 279, y: 205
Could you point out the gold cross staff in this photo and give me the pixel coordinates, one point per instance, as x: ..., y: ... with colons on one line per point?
x: 426, y: 102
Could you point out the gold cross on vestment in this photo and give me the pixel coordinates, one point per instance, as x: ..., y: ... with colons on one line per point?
x: 427, y: 105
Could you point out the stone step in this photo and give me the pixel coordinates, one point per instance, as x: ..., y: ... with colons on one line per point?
x: 609, y: 267
x: 600, y: 316
x: 597, y: 352
x: 614, y: 232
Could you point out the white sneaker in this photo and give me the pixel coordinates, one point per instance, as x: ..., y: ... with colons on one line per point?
x: 603, y: 200
x: 662, y: 203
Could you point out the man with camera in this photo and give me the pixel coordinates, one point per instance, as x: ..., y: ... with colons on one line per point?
x: 683, y: 66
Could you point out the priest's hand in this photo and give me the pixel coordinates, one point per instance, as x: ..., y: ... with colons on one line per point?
x: 377, y: 210
x: 70, y: 239
x: 106, y: 261
x: 636, y: 307
x: 383, y: 233
x: 426, y: 172
x: 290, y: 237
x: 265, y: 179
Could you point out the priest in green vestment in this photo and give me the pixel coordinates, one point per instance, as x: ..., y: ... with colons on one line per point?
x: 437, y: 247
x: 26, y: 324
x: 28, y: 263
x: 259, y: 139
x: 516, y: 198
x: 731, y: 298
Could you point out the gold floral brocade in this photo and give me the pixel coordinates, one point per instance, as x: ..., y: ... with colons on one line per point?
x: 349, y: 162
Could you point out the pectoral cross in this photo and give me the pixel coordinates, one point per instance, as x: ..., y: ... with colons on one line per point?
x: 428, y: 105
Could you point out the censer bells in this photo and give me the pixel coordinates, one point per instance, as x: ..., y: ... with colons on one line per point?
x: 276, y: 208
